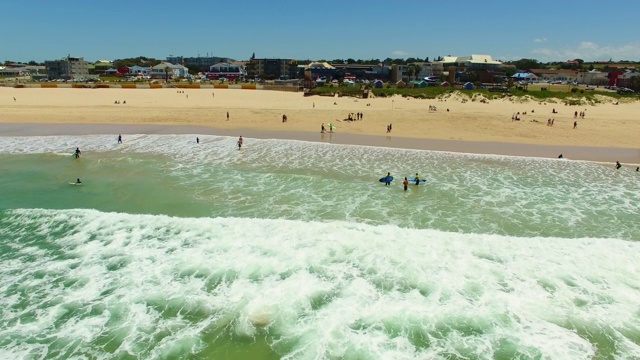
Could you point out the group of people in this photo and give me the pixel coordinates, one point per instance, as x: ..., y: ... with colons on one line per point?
x: 77, y: 154
x: 356, y: 116
x: 581, y: 114
x: 323, y: 129
x: 118, y: 102
x: 405, y: 182
x: 389, y: 128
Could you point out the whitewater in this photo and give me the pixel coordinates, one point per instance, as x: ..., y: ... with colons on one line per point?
x: 294, y: 250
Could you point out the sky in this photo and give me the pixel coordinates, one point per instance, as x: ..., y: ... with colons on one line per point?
x: 544, y: 30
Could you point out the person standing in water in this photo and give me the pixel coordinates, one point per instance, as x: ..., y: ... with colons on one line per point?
x: 387, y: 179
x: 417, y: 179
x: 405, y: 183
x: 119, y: 139
x: 240, y: 142
x: 618, y: 165
x: 77, y: 153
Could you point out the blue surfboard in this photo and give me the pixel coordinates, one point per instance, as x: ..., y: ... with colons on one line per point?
x: 413, y: 181
x: 384, y: 179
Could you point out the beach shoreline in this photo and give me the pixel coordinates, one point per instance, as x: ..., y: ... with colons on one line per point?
x: 457, y: 124
x: 596, y: 154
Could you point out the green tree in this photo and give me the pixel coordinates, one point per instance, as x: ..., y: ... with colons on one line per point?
x: 166, y: 73
x: 527, y: 64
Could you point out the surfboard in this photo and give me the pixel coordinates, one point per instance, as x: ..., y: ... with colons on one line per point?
x: 413, y: 181
x: 75, y: 183
x: 384, y: 179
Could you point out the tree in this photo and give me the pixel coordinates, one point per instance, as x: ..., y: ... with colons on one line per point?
x: 527, y: 64
x: 351, y: 61
x: 166, y: 73
x: 634, y: 82
x: 426, y: 59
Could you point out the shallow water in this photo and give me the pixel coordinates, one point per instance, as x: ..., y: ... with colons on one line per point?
x: 290, y: 249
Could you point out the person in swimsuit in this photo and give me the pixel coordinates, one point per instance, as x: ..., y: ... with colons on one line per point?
x: 240, y: 141
x: 405, y: 183
x: 77, y: 153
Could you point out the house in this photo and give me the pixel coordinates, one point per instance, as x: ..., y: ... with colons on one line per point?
x: 551, y: 75
x: 158, y: 71
x: 227, y: 70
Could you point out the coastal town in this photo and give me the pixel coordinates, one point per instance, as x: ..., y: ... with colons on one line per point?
x: 466, y: 72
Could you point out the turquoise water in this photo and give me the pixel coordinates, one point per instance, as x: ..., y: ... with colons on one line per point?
x: 290, y: 249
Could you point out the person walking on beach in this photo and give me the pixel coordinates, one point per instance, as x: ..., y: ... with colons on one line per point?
x: 618, y: 165
x: 405, y: 183
x: 227, y: 116
x: 119, y: 139
x: 322, y: 129
x: 240, y: 142
x: 77, y: 153
x: 575, y: 124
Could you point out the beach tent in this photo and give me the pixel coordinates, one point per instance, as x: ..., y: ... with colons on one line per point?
x: 468, y: 86
x: 321, y: 82
x: 445, y: 84
x: 378, y: 84
x: 400, y: 84
x: 524, y: 76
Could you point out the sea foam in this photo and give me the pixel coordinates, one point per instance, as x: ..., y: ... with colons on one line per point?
x: 83, y: 283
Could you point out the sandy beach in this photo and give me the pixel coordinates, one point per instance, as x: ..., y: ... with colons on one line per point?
x: 608, y: 132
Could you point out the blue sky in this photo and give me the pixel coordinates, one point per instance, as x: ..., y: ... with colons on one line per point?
x: 507, y: 30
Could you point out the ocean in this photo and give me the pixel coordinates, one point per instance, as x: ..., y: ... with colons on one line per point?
x: 294, y: 250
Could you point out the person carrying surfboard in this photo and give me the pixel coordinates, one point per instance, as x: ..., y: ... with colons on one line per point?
x: 417, y: 179
x: 387, y: 180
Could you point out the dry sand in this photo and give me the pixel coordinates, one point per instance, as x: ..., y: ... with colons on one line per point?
x: 607, y: 133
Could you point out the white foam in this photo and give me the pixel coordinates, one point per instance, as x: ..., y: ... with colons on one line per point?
x: 315, y: 289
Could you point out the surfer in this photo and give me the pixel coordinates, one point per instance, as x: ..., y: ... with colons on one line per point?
x: 387, y: 179
x: 405, y: 183
x: 560, y: 156
x: 240, y: 141
x: 78, y: 181
x: 618, y: 165
x: 77, y: 153
x: 119, y: 139
x: 417, y: 179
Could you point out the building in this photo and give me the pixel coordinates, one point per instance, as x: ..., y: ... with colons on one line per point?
x: 551, y: 75
x: 274, y: 68
x: 593, y: 77
x: 201, y: 63
x: 469, y: 68
x: 362, y: 71
x: 227, y: 70
x: 319, y: 71
x: 68, y: 68
x: 174, y: 71
x: 100, y: 67
x: 19, y: 70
